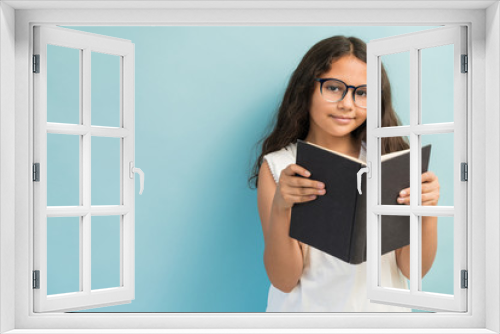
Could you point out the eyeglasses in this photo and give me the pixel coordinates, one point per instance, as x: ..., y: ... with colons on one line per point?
x: 334, y: 90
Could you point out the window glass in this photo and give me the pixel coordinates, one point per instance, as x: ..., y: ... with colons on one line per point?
x: 63, y: 84
x: 105, y: 248
x: 397, y: 67
x: 106, y: 75
x: 437, y: 84
x: 442, y: 265
x: 63, y: 169
x: 441, y: 165
x: 63, y: 255
x: 106, y: 170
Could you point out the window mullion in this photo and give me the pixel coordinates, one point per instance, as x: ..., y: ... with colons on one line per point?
x: 85, y: 273
x: 414, y: 172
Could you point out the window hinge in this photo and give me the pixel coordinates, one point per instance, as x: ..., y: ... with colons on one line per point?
x: 36, y: 63
x: 465, y: 64
x: 465, y: 172
x: 465, y: 279
x: 36, y: 172
x: 36, y: 279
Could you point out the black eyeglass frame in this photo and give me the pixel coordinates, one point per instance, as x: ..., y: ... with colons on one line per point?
x: 323, y: 80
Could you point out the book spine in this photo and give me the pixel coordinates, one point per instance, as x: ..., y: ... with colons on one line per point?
x: 354, y: 227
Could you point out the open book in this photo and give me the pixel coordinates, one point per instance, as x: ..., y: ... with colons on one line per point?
x: 336, y: 222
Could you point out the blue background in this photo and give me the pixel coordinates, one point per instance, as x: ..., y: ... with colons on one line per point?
x: 204, y: 97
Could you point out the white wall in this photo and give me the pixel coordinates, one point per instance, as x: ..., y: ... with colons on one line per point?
x: 492, y: 171
x: 7, y: 190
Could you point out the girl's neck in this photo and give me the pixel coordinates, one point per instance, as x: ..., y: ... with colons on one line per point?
x: 346, y: 145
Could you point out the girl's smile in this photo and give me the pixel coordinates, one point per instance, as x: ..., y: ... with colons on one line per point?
x: 342, y: 119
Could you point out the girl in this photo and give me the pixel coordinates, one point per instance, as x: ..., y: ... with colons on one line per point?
x: 331, y: 114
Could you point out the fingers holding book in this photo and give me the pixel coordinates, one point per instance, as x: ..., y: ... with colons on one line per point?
x: 430, y: 190
x: 294, y: 186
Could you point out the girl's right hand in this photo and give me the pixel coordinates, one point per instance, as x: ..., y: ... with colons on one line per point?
x: 295, y: 189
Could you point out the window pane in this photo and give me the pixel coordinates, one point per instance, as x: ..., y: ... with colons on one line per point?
x: 395, y: 234
x: 397, y: 67
x: 395, y: 170
x: 63, y: 84
x: 106, y: 171
x: 441, y: 164
x: 437, y: 84
x: 63, y: 255
x: 63, y: 170
x: 105, y: 248
x: 105, y: 89
x: 439, y: 277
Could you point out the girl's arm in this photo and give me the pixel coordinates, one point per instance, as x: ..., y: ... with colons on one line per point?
x: 282, y: 254
x: 430, y: 196
x: 429, y: 248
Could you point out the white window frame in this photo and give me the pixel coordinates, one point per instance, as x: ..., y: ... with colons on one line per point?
x: 85, y: 43
x: 18, y: 17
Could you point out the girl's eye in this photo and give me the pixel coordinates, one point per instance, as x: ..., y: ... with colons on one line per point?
x: 333, y: 88
x: 361, y: 93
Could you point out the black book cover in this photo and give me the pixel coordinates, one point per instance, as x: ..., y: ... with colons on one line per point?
x: 336, y: 222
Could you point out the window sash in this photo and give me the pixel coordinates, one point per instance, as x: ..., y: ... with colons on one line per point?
x: 413, y: 297
x: 86, y: 297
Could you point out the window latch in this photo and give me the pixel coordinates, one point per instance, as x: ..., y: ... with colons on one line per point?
x: 368, y: 171
x: 132, y: 171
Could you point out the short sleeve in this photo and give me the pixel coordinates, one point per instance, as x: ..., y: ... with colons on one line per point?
x: 279, y: 160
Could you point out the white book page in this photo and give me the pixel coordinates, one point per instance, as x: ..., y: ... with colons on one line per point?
x: 384, y: 157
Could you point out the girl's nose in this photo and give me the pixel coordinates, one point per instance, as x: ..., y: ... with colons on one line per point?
x: 347, y: 102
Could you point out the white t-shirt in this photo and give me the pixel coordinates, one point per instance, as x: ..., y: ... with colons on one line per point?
x: 328, y: 284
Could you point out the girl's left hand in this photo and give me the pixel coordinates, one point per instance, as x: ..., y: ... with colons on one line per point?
x: 430, y: 190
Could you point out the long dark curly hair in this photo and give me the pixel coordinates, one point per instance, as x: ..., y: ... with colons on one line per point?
x: 291, y: 121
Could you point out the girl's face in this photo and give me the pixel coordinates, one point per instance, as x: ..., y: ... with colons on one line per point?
x: 338, y: 119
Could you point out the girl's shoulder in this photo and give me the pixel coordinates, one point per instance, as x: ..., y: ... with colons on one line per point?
x: 279, y: 160
x: 289, y: 151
